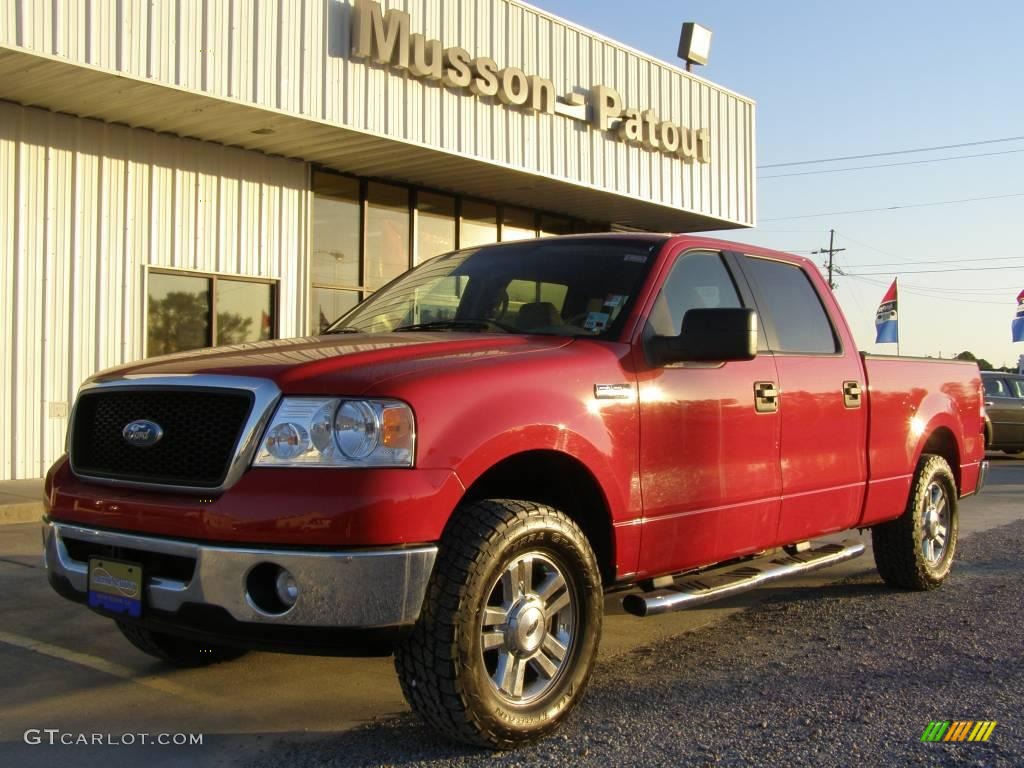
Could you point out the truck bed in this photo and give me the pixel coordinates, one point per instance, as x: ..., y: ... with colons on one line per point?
x: 909, y: 397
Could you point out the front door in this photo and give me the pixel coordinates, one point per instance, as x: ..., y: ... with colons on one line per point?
x: 709, y: 457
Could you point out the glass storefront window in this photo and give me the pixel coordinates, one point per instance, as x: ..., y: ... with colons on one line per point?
x: 361, y: 237
x: 435, y: 225
x: 555, y: 225
x: 329, y: 304
x: 190, y: 311
x: 335, y: 231
x: 479, y: 224
x: 245, y: 311
x: 387, y: 234
x: 178, y: 314
x: 517, y: 224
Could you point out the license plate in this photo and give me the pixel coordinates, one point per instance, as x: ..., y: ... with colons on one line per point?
x: 115, y: 586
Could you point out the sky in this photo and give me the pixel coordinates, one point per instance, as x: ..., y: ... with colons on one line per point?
x: 837, y: 79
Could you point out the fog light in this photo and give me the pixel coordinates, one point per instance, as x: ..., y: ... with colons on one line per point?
x: 287, y: 589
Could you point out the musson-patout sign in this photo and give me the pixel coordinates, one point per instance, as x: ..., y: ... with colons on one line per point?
x: 384, y: 38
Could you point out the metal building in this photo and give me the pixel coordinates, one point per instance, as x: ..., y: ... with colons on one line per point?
x: 181, y: 173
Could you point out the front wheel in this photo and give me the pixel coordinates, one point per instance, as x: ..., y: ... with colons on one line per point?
x: 509, y: 629
x: 915, y: 551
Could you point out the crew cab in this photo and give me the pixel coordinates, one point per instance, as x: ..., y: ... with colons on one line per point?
x: 462, y: 467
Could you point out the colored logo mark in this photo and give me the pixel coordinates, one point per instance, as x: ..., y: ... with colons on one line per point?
x: 958, y: 730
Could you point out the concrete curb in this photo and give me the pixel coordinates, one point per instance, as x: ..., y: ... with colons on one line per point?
x: 29, y: 512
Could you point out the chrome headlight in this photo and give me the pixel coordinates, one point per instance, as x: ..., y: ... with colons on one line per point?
x: 338, y: 432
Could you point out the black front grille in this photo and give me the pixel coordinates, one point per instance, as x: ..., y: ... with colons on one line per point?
x: 201, y: 429
x: 154, y: 564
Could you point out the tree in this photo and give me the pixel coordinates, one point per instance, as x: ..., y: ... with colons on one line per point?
x: 983, y: 364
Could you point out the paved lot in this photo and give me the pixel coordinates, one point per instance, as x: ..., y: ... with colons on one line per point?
x: 829, y: 669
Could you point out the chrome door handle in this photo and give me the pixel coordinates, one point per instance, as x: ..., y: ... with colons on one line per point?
x: 852, y: 394
x: 766, y: 397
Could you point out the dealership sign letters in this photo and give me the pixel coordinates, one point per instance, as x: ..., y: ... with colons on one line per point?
x: 384, y: 38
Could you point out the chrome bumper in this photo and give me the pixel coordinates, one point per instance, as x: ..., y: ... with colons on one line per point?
x: 348, y: 589
x: 982, y: 477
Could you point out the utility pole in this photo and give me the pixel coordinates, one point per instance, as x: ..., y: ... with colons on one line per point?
x: 831, y: 251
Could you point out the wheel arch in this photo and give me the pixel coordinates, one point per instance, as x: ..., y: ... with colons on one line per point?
x: 942, y: 441
x: 558, y: 480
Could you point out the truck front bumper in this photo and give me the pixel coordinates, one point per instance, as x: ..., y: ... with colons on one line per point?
x: 351, y: 589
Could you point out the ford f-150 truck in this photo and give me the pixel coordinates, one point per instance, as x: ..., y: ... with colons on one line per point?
x: 464, y: 465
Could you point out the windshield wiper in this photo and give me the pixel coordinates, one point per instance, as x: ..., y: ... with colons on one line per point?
x: 476, y: 324
x: 343, y: 329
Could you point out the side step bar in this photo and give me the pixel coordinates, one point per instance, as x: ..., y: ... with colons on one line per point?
x: 700, y: 588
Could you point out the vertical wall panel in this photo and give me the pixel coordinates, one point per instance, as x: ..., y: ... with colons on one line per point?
x: 86, y: 207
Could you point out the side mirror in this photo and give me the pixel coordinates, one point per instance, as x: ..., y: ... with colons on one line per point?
x: 709, y: 336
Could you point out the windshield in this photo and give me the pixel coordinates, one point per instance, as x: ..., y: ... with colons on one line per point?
x: 573, y: 287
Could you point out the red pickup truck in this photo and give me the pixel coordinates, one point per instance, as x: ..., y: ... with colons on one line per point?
x: 463, y: 465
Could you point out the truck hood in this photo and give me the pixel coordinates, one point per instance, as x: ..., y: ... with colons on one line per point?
x: 343, y: 363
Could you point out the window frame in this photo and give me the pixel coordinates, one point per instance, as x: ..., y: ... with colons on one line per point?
x: 213, y: 277
x: 767, y: 321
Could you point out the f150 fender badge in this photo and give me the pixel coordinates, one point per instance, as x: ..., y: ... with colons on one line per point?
x: 142, y: 433
x: 613, y: 391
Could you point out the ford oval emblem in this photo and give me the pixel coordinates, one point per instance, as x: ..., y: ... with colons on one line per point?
x: 142, y: 433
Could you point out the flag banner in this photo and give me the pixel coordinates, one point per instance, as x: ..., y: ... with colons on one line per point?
x: 1018, y: 321
x: 886, y: 321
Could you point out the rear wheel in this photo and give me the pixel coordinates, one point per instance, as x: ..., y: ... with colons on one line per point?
x: 509, y: 630
x: 176, y: 650
x: 916, y: 550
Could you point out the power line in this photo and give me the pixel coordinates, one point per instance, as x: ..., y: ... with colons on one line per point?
x: 936, y: 261
x: 932, y: 271
x: 888, y: 165
x: 896, y: 207
x: 894, y: 152
x: 905, y: 260
x: 918, y: 292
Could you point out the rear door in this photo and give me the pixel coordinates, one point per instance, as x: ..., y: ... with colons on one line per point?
x: 709, y: 457
x: 1004, y: 403
x: 821, y: 404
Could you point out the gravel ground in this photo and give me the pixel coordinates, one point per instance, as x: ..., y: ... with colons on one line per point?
x: 848, y: 674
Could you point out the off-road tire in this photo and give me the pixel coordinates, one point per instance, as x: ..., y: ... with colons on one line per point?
x: 898, y: 544
x: 441, y: 664
x: 177, y: 651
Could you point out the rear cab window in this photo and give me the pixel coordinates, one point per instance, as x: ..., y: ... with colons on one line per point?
x: 791, y: 309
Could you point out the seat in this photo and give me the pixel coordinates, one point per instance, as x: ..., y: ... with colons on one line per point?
x: 537, y: 315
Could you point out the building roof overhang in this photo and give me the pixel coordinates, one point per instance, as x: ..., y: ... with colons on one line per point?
x: 49, y: 82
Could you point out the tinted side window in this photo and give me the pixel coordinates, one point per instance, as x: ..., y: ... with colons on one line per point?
x: 697, y: 281
x: 994, y: 387
x: 1017, y: 387
x: 789, y: 300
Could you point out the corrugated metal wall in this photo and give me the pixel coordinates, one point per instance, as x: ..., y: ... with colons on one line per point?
x: 84, y: 207
x: 293, y: 55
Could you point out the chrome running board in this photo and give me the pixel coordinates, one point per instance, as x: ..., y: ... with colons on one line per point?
x: 714, y: 584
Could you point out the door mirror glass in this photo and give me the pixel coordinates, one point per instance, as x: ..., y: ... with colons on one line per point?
x: 710, y: 336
